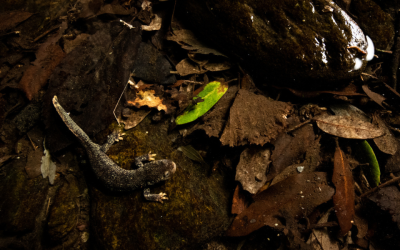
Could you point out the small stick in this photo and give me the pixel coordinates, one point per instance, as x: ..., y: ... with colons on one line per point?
x: 369, y: 192
x: 369, y: 75
x: 33, y: 144
x: 384, y: 51
x: 358, y: 49
x: 298, y: 126
x: 11, y: 33
x: 116, y: 105
x: 46, y: 32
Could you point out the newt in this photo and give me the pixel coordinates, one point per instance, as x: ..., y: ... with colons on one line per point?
x: 112, y: 176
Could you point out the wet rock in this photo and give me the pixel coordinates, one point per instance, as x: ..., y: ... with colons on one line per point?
x: 197, y: 208
x: 298, y: 40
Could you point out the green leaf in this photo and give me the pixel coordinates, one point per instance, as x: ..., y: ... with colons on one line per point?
x: 371, y: 171
x: 211, y: 93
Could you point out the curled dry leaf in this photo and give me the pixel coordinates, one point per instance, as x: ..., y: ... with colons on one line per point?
x: 147, y: 98
x: 154, y: 25
x: 343, y: 199
x: 348, y: 127
x: 296, y: 196
x: 252, y: 168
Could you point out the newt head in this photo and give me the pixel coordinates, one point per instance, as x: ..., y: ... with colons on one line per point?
x: 160, y: 170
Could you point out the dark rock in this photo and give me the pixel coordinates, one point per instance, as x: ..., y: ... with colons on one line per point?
x: 63, y: 214
x: 22, y: 198
x: 376, y: 23
x: 150, y: 65
x: 197, y: 209
x: 300, y: 40
x: 27, y: 118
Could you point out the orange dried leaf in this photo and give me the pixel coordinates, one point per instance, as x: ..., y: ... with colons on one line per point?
x: 239, y: 202
x: 147, y: 98
x: 343, y: 199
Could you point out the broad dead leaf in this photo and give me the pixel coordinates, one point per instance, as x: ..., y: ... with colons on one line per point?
x: 134, y: 118
x: 388, y: 199
x: 254, y: 119
x: 48, y: 56
x: 253, y: 167
x: 343, y: 199
x: 296, y: 197
x: 9, y: 20
x: 188, y: 41
x: 386, y: 143
x: 289, y: 149
x: 348, y: 127
x: 187, y: 67
x: 320, y: 239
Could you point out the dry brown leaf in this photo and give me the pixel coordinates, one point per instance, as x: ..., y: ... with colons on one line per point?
x: 134, y: 118
x: 387, y: 143
x: 189, y: 42
x: 343, y: 199
x: 9, y: 20
x: 69, y: 45
x: 254, y: 119
x: 348, y: 127
x: 253, y: 167
x: 35, y: 77
x: 147, y: 98
x: 187, y: 67
x: 388, y: 199
x: 239, y: 201
x: 296, y: 197
x: 48, y: 56
x: 374, y: 96
x: 320, y: 239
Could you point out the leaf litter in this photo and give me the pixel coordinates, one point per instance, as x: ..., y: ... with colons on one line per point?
x: 91, y: 78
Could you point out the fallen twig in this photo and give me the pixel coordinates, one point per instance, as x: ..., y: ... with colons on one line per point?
x: 369, y: 192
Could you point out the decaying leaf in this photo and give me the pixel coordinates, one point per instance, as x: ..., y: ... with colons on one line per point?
x: 69, y: 45
x: 297, y: 196
x: 343, y: 199
x: 371, y: 168
x: 147, y: 98
x: 210, y: 95
x: 388, y: 199
x: 348, y: 127
x: 393, y: 164
x: 254, y: 119
x: 134, y: 118
x: 374, y: 96
x: 349, y: 110
x: 188, y: 41
x: 9, y: 20
x: 288, y: 149
x: 253, y: 167
x: 154, y: 25
x: 239, y: 201
x: 6, y: 158
x: 214, y: 121
x: 187, y: 67
x: 320, y: 239
x: 190, y: 152
x: 386, y: 143
x: 48, y: 56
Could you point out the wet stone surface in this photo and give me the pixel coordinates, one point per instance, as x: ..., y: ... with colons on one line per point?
x: 295, y: 39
